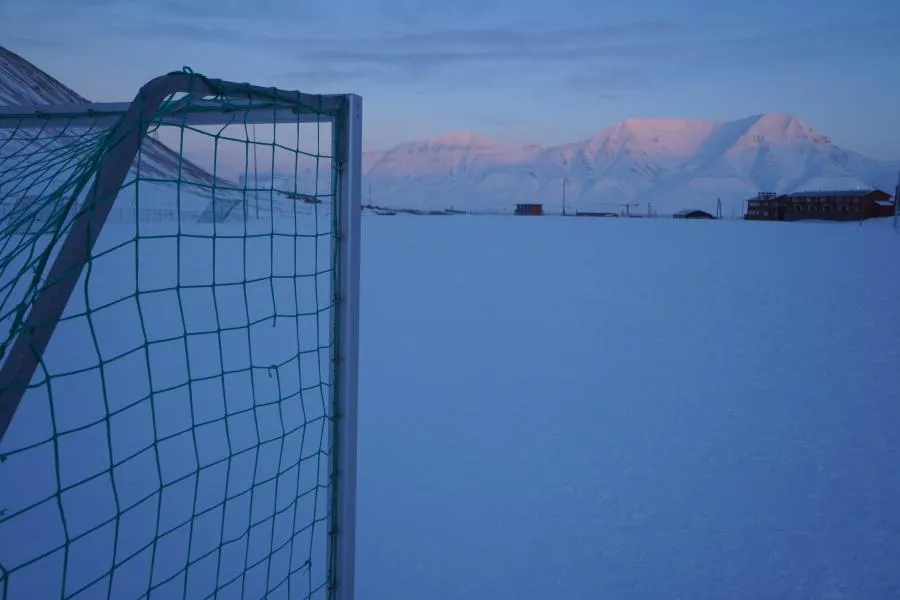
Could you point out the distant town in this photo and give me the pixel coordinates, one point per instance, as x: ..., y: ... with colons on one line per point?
x: 831, y: 205
x: 821, y: 205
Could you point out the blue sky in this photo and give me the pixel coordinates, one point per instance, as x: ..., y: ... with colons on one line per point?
x: 544, y: 72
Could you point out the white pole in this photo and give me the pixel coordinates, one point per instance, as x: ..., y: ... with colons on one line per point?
x: 342, y: 530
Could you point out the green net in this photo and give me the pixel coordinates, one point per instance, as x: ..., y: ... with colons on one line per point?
x: 175, y: 439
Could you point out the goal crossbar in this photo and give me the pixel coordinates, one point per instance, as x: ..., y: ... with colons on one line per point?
x: 245, y: 104
x: 197, y: 113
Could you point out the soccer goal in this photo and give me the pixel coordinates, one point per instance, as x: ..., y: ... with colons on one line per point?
x: 178, y: 344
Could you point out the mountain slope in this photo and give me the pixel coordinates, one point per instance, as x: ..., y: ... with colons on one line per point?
x: 670, y: 163
x: 22, y: 83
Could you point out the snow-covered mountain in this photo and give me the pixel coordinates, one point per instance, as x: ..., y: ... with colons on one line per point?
x: 670, y: 163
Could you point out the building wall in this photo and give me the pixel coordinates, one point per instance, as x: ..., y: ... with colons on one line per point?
x: 765, y: 210
x: 833, y: 208
x: 884, y: 210
x: 811, y: 206
x: 529, y: 209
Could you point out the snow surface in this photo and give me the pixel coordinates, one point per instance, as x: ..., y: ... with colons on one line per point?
x: 628, y: 409
x: 549, y: 408
x: 201, y: 330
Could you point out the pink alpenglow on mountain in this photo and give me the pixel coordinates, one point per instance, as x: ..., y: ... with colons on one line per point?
x: 669, y: 163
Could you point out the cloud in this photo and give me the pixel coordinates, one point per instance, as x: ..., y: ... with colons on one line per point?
x: 255, y: 10
x: 602, y: 78
x: 601, y: 60
x: 607, y: 58
x: 62, y: 5
x: 333, y: 80
x: 780, y: 47
x: 177, y: 9
x: 418, y: 55
x: 55, y: 9
x: 13, y: 40
x: 582, y: 58
x: 417, y: 14
x: 518, y: 37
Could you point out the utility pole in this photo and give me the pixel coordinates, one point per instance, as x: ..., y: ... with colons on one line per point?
x: 897, y: 202
x: 564, y: 196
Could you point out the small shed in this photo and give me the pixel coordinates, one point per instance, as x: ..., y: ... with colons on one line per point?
x: 529, y: 209
x: 692, y: 214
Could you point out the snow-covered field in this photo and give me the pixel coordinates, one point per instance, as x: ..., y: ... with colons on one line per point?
x: 581, y: 408
x: 549, y: 408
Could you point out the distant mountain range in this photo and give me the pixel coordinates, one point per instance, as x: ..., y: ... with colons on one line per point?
x: 669, y: 164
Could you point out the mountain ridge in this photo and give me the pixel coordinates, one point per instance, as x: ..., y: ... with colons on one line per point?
x: 669, y: 163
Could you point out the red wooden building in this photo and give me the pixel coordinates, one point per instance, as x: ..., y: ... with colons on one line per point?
x: 838, y: 205
x: 529, y: 209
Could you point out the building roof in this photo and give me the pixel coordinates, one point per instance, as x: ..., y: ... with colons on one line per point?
x: 832, y: 193
x: 763, y: 196
x: 690, y: 211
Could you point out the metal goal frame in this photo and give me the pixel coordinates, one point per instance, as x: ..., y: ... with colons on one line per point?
x: 201, y: 105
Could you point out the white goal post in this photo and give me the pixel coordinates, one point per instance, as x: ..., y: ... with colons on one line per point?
x: 189, y: 99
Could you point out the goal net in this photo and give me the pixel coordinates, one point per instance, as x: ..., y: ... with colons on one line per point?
x: 177, y: 344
